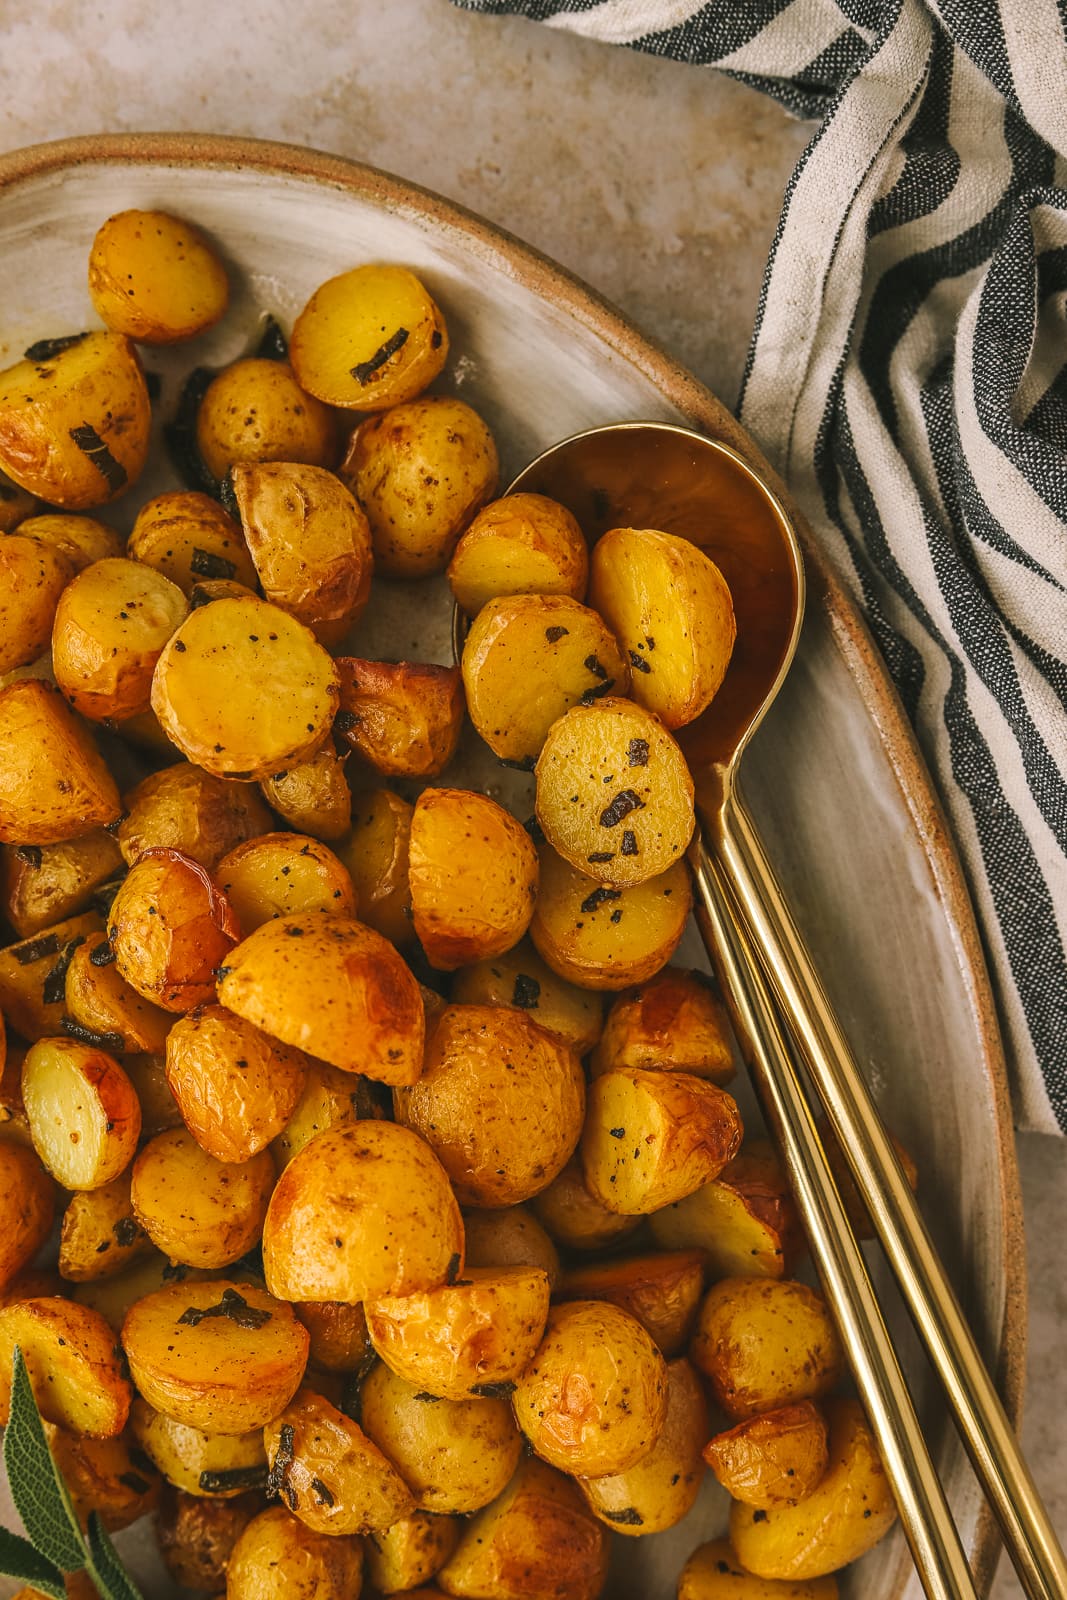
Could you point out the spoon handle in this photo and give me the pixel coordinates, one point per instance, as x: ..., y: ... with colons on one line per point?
x: 771, y: 932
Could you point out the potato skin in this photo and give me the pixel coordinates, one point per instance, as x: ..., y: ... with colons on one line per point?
x: 72, y: 1364
x: 713, y: 1572
x: 594, y: 1399
x: 381, y: 1191
x: 17, y: 505
x: 401, y: 717
x: 187, y: 809
x: 284, y: 875
x: 235, y: 1085
x: 745, y: 1221
x: 764, y: 1344
x: 54, y: 784
x: 196, y: 1537
x: 33, y: 575
x: 255, y: 410
x: 411, y: 1551
x: 70, y: 1088
x: 658, y: 1491
x: 337, y: 346
x: 499, y: 1101
x: 27, y: 1207
x: 661, y: 1291
x: 674, y: 1021
x: 774, y: 1459
x: 519, y: 544
x: 473, y: 873
x: 81, y: 539
x: 839, y: 1521
x: 155, y: 278
x: 197, y: 1210
x: 278, y: 1558
x: 170, y: 927
x: 183, y: 1454
x: 100, y: 1235
x: 312, y: 796
x: 100, y: 999
x: 26, y: 971
x: 518, y: 977
x: 187, y: 536
x: 111, y: 625
x: 102, y: 1476
x: 40, y: 887
x: 339, y: 1340
x: 376, y: 855
x: 574, y: 1218
x: 509, y: 1237
x: 330, y: 1098
x: 332, y: 1476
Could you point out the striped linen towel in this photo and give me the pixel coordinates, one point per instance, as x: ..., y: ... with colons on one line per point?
x: 908, y: 377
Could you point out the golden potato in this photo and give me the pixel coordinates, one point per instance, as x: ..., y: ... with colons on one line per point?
x: 255, y: 410
x: 33, y: 975
x: 159, y: 1109
x: 471, y: 1337
x: 186, y: 535
x: 278, y: 1558
x: 284, y: 875
x: 661, y: 1291
x: 111, y: 625
x: 509, y: 1237
x: 27, y: 1206
x: 100, y: 1000
x: 520, y: 544
x: 42, y: 884
x: 403, y: 718
x: 765, y: 1344
x: 662, y: 1487
x: 17, y: 505
x: 330, y: 1098
x: 74, y: 425
x: 236, y: 1087
x: 668, y: 605
x: 155, y: 278
x: 54, y: 784
x: 34, y: 1283
x: 170, y: 927
x: 527, y: 660
x: 537, y: 1538
x: 454, y: 1455
x: 185, y: 808
x: 774, y: 1459
x: 593, y: 1400
x: 369, y: 338
x: 105, y: 1476
x: 33, y: 575
x: 339, y: 1339
x: 674, y: 1021
x: 84, y: 1115
x: 313, y: 795
x: 745, y: 1221
x: 113, y: 1297
x: 600, y: 938
x: 243, y: 689
x: 851, y: 1508
x: 500, y: 1102
x: 218, y: 1356
x: 651, y: 1138
x: 196, y: 1536
x: 518, y: 977
x: 614, y: 793
x: 333, y: 988
x: 420, y: 471
x: 81, y: 539
x: 329, y: 1473
x: 362, y: 1211
x: 310, y: 542
x: 472, y: 872
x: 14, y: 1123
x: 73, y: 1366
x: 411, y: 1551
x: 713, y: 1572
x: 574, y: 1218
x: 100, y: 1234
x: 376, y: 855
x: 198, y: 1210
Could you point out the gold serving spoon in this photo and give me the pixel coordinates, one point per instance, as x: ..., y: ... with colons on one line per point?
x: 661, y: 476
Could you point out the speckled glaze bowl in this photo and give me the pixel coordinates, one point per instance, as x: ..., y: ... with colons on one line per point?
x: 837, y: 785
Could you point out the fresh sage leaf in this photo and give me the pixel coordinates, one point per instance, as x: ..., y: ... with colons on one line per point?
x: 37, y: 1488
x: 18, y: 1559
x: 105, y: 1565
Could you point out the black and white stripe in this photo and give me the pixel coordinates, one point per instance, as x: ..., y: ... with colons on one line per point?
x: 908, y: 375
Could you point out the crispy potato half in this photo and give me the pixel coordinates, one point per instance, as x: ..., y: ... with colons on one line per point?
x: 54, y: 783
x: 472, y: 872
x: 255, y: 410
x: 653, y: 1137
x: 197, y: 1210
x: 774, y: 1459
x: 170, y: 927
x: 33, y: 975
x: 662, y: 1291
x: 574, y: 1218
x: 155, y: 278
x: 42, y: 884
x: 330, y: 1474
x: 284, y: 875
x: 369, y: 339
x: 669, y: 606
x: 402, y: 717
x: 100, y: 1236
x: 185, y: 808
x: 364, y: 1210
x: 334, y: 988
x: 73, y: 1366
x: 674, y: 1021
x: 713, y: 1572
x: 111, y: 625
x: 519, y: 544
x: 658, y: 1491
x: 509, y: 1237
x: 27, y: 1207
x: 278, y: 1558
x: 765, y: 1344
x: 313, y: 795
x: 745, y: 1221
x: 33, y: 576
x: 186, y: 535
x: 236, y: 1086
x: 99, y: 998
x: 84, y: 1114
x: 219, y: 1356
x: 197, y: 1535
x: 81, y: 539
x: 376, y: 855
x: 411, y: 1551
x: 519, y: 978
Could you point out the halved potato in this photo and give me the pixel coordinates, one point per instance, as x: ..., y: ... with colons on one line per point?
x: 222, y: 1464
x: 713, y: 1572
x: 509, y: 1237
x: 104, y: 1475
x: 674, y: 1021
x: 100, y: 1235
x: 111, y: 625
x: 376, y: 855
x: 657, y: 1491
x: 187, y: 536
x: 774, y: 1459
x: 185, y: 808
x: 518, y: 977
x: 42, y: 884
x: 33, y: 975
x: 339, y: 1339
x: 255, y: 410
x: 236, y: 1086
x: 81, y: 539
x: 84, y: 1115
x: 408, y: 1554
x: 284, y: 875
x: 403, y: 718
x: 519, y: 544
x: 113, y: 1297
x: 312, y: 796
x: 195, y: 1209
x: 329, y: 1473
x: 155, y: 277
x: 33, y: 576
x: 662, y: 1291
x: 27, y: 1207
x: 744, y: 1221
x: 574, y: 1218
x: 330, y: 1098
x: 764, y: 1344
x: 74, y: 1369
x: 99, y: 998
x: 278, y: 1558
x: 369, y: 338
x: 54, y: 783
x: 170, y: 927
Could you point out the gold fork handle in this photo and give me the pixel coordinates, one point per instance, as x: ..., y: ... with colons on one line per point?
x: 925, y: 1516
x: 1027, y: 1531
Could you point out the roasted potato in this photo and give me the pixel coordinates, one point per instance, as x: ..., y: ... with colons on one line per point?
x: 537, y: 1538
x: 330, y: 1098
x: 33, y: 975
x: 454, y: 1455
x: 113, y: 1297
x: 236, y: 1087
x: 278, y: 1558
x: 100, y: 1235
x: 420, y: 471
x: 81, y: 539
x: 520, y: 544
x: 527, y: 660
x: 499, y: 1101
x: 339, y: 1339
x: 33, y: 575
x: 472, y: 872
x: 310, y: 542
x: 255, y: 410
x: 203, y: 1212
x: 411, y: 1551
x: 74, y: 427
x: 674, y: 1021
x: 651, y: 1138
x: 713, y: 1572
x: 27, y: 1207
x: 744, y: 1221
x: 219, y: 1356
x: 84, y: 1115
x: 330, y: 1474
x: 765, y: 1344
x: 159, y: 1109
x: 658, y: 1491
x: 774, y: 1459
x: 155, y: 278
x: 593, y: 1400
x: 54, y: 784
x: 376, y: 855
x: 17, y: 505
x: 403, y: 718
x: 187, y: 536
x: 197, y: 1535
x: 601, y: 938
x: 104, y: 1476
x: 369, y: 339
x: 313, y: 795
x: 510, y: 1237
x: 379, y: 1190
x: 14, y: 1123
x: 44, y: 884
x: 668, y: 605
x: 73, y: 1366
x: 111, y: 625
x: 662, y: 1291
x: 574, y: 1218
x: 614, y: 793
x: 518, y: 977
x: 185, y: 808
x: 99, y: 999
x: 170, y: 927
x: 851, y: 1508
x: 334, y: 988
x: 284, y: 875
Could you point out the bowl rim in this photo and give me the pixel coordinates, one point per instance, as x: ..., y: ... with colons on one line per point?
x: 701, y: 409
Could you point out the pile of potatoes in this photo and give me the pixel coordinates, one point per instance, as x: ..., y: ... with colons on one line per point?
x: 407, y: 1231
